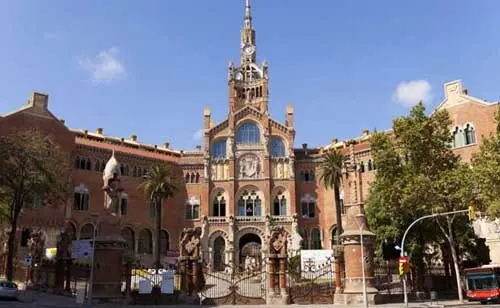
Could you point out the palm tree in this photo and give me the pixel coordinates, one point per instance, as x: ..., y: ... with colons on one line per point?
x: 158, y: 186
x: 331, y: 177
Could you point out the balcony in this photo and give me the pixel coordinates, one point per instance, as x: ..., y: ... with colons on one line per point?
x: 250, y: 219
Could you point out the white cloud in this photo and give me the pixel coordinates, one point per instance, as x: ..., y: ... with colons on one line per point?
x: 105, y: 67
x: 198, y: 135
x: 409, y: 93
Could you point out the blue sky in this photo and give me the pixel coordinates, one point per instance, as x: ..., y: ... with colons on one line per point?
x: 150, y: 67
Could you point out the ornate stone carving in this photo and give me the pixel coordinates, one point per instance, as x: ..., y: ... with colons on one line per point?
x: 278, y: 243
x: 112, y: 185
x: 36, y: 246
x: 296, y: 243
x: 190, y: 243
x: 249, y: 166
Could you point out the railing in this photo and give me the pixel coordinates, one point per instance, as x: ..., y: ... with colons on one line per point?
x: 275, y: 219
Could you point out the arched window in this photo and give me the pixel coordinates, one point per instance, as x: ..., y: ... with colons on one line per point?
x: 77, y: 162
x: 145, y: 242
x: 197, y: 177
x: 249, y: 204
x: 279, y: 204
x: 219, y: 205
x: 315, y: 239
x: 277, y: 147
x: 470, y: 134
x: 193, y: 208
x: 134, y: 172
x: 187, y: 177
x: 128, y: 236
x: 334, y: 237
x: 305, y: 239
x: 361, y: 167
x: 248, y: 133
x: 458, y: 138
x: 192, y: 180
x: 308, y: 205
x: 370, y: 165
x: 88, y: 164
x: 164, y: 242
x: 124, y: 204
x: 97, y: 166
x: 307, y: 176
x: 219, y: 149
x: 81, y: 198
x: 87, y: 232
x: 25, y: 236
x: 71, y: 231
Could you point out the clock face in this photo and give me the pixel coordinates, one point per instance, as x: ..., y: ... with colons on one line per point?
x: 248, y: 49
x: 239, y: 76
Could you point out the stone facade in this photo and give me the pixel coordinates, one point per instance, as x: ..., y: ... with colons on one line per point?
x: 246, y: 178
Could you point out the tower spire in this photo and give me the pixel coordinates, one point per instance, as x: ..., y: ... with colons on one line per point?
x: 248, y: 15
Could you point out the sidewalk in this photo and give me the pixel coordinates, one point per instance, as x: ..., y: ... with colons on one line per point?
x: 47, y: 300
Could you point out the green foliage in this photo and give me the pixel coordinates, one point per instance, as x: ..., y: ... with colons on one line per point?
x: 417, y: 174
x: 32, y: 169
x: 486, y: 166
x: 159, y: 184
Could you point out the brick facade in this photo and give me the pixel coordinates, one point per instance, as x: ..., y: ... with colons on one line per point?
x: 248, y: 162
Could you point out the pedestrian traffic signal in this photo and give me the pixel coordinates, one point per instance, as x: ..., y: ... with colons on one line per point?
x: 472, y: 212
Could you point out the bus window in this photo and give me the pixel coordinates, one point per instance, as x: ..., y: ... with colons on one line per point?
x: 484, y: 281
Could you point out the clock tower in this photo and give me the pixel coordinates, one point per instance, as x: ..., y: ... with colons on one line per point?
x: 248, y: 82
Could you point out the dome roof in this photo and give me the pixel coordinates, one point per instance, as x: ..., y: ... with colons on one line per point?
x: 112, y: 168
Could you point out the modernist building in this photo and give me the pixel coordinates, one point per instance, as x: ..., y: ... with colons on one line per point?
x: 246, y: 178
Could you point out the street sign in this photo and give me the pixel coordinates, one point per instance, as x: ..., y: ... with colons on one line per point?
x: 27, y: 260
x: 82, y: 249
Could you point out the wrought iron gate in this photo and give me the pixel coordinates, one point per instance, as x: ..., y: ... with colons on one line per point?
x: 312, y: 283
x: 237, y: 288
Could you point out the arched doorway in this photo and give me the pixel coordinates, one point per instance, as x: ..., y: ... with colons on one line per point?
x: 219, y: 251
x: 250, y: 247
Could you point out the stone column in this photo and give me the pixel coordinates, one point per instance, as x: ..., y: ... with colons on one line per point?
x: 282, y: 262
x: 195, y: 274
x: 338, y: 270
x: 271, y: 276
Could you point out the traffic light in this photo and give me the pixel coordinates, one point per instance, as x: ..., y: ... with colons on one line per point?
x: 404, y: 266
x: 472, y: 212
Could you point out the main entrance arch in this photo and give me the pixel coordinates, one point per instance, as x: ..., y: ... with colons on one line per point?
x: 250, y: 252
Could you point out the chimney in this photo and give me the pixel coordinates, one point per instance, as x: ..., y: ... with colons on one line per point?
x: 198, y: 148
x: 86, y: 132
x: 335, y: 141
x: 133, y: 138
x: 207, y: 113
x: 182, y: 153
x: 365, y: 132
x: 466, y: 92
x: 289, y: 115
x: 99, y: 131
x: 166, y: 145
x: 304, y: 147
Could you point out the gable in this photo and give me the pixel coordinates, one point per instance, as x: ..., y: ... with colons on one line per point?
x: 37, y: 105
x: 455, y: 95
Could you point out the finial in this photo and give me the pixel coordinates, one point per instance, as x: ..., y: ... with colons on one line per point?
x: 248, y: 15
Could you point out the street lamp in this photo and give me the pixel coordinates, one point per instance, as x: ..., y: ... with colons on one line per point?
x: 361, y: 223
x: 95, y: 217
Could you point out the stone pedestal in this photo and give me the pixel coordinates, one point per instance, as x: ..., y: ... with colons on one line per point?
x: 277, y: 265
x: 108, y: 261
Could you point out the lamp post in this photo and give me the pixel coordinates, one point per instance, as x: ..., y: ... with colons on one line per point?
x: 361, y: 223
x: 95, y: 217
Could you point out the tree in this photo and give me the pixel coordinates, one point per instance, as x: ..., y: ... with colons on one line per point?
x: 331, y: 177
x: 158, y: 186
x: 454, y: 191
x: 408, y: 163
x: 486, y: 166
x: 32, y: 169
